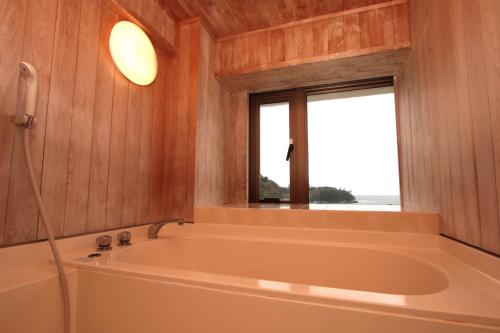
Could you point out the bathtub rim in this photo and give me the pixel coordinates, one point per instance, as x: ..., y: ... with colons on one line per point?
x: 392, y: 250
x: 173, y: 276
x: 241, y: 284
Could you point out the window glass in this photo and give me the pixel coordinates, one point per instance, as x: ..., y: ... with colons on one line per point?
x: 274, y: 140
x: 352, y: 147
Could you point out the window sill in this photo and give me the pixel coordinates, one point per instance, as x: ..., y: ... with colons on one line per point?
x: 319, y: 216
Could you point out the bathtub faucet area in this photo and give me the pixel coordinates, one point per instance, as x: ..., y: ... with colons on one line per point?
x: 154, y: 229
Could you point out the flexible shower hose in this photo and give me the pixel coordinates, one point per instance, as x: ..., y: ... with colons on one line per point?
x: 63, y: 281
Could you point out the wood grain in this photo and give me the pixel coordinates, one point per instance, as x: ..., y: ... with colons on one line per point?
x: 82, y: 118
x: 344, y: 34
x: 481, y: 121
x: 118, y: 136
x: 187, y: 100
x: 92, y: 142
x: 179, y: 141
x: 58, y: 130
x: 213, y: 104
x: 448, y: 114
x: 224, y: 18
x: 159, y: 21
x: 171, y: 139
x: 146, y: 115
x: 13, y: 18
x: 237, y: 148
x: 103, y: 105
x: 192, y: 116
x: 132, y: 156
x: 318, y: 50
x: 157, y: 158
x: 22, y: 212
x: 152, y: 17
x: 489, y: 32
x: 374, y: 63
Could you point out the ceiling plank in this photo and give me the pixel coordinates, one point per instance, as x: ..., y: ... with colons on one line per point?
x: 230, y: 17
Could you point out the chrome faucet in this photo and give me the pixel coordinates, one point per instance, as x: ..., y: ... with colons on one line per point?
x: 154, y: 228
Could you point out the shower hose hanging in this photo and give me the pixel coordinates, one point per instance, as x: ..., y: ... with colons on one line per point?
x: 25, y: 122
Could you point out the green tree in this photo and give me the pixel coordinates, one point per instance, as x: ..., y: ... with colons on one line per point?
x: 324, y: 194
x: 271, y: 189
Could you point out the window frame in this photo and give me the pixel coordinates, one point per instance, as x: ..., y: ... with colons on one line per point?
x: 299, y: 161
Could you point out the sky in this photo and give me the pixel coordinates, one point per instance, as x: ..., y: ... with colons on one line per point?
x: 352, y: 142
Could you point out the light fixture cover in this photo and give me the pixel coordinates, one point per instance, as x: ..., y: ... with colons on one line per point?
x: 133, y: 53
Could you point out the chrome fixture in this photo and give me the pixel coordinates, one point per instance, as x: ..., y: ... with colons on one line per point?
x: 155, y: 227
x: 124, y: 238
x: 103, y: 243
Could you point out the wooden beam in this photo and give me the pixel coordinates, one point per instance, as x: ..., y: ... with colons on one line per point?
x: 316, y: 49
x: 156, y: 22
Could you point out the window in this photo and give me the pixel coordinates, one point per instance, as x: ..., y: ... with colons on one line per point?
x: 274, y: 140
x: 334, y: 144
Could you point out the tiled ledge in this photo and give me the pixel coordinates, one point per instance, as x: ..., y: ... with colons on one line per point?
x: 314, y: 216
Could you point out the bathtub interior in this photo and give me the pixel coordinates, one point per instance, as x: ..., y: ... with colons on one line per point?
x: 395, y: 273
x: 208, y: 275
x: 324, y: 264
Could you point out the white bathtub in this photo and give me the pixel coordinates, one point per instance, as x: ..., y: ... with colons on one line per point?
x: 223, y: 277
x: 307, y: 263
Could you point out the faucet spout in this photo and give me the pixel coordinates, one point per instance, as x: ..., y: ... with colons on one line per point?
x: 154, y: 228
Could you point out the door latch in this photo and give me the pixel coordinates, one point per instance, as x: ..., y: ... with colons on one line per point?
x: 290, y: 150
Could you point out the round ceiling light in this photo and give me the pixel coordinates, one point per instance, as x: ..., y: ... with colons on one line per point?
x: 133, y: 53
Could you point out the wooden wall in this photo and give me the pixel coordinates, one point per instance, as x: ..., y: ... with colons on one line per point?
x: 370, y: 41
x: 364, y: 42
x: 212, y: 128
x: 363, y: 30
x: 237, y: 143
x: 227, y: 18
x: 155, y: 18
x: 110, y: 154
x: 103, y: 147
x: 221, y: 133
x: 450, y: 117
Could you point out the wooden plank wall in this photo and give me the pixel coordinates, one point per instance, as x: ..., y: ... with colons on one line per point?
x: 450, y: 119
x: 364, y: 30
x: 343, y: 46
x: 212, y: 128
x: 187, y: 103
x: 219, y: 145
x: 102, y: 146
x: 237, y: 148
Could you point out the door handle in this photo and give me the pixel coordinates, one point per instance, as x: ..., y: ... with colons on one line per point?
x: 290, y: 150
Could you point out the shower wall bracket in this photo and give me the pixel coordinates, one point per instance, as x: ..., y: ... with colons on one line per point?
x: 30, y: 74
x: 26, y: 121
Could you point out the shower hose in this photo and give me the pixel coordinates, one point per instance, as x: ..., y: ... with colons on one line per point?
x: 63, y: 281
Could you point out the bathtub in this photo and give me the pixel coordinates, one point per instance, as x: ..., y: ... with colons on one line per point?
x: 213, y: 278
x: 293, y: 262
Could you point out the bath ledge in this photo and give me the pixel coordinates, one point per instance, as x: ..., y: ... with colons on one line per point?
x: 303, y: 216
x: 331, y: 207
x: 28, y: 256
x: 30, y: 275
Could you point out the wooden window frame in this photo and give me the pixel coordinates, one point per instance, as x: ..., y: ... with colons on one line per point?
x: 299, y: 161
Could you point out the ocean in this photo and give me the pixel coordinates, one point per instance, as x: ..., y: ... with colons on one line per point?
x: 377, y: 199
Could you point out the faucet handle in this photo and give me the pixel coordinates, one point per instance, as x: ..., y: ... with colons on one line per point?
x: 103, y: 243
x: 124, y: 238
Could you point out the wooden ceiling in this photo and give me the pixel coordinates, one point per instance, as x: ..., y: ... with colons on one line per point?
x: 230, y: 17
